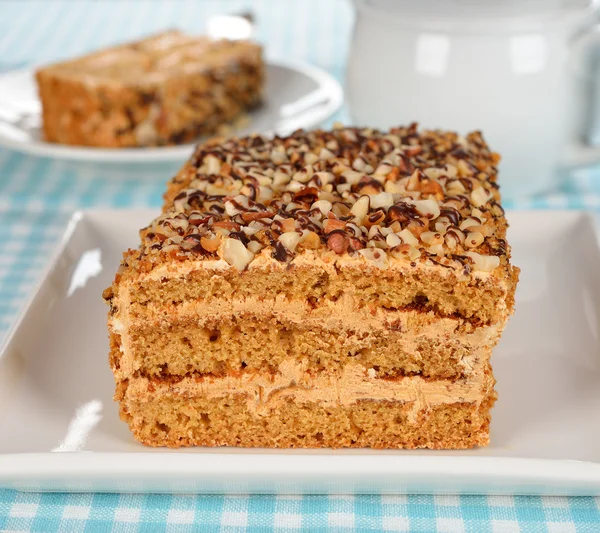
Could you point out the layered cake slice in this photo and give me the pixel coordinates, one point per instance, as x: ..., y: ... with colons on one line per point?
x: 166, y: 89
x: 326, y: 289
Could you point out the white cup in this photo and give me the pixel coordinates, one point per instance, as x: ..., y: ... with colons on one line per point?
x: 520, y: 74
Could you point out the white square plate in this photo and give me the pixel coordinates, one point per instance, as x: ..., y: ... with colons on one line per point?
x: 59, y: 428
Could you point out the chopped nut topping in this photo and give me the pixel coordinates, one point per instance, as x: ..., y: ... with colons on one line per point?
x: 236, y: 254
x: 484, y: 263
x: 338, y: 242
x: 290, y: 240
x: 310, y: 240
x: 210, y: 245
x: 415, y: 195
x: 375, y: 256
x: 360, y: 208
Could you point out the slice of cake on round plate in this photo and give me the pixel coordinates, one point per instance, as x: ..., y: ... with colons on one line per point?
x: 166, y: 89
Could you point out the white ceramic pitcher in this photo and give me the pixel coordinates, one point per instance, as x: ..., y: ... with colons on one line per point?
x: 519, y: 71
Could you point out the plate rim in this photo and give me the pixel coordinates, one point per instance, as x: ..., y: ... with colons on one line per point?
x: 315, y: 473
x: 517, y: 470
x: 515, y: 475
x: 167, y: 153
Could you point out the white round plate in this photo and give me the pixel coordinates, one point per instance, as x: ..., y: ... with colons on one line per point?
x: 297, y: 96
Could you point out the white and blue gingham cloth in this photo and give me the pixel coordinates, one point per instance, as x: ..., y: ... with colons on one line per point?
x: 92, y: 513
x: 37, y: 195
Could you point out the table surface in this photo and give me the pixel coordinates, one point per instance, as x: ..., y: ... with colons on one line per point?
x: 37, y: 195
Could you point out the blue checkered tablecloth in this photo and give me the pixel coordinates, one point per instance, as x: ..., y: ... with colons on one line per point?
x: 37, y: 195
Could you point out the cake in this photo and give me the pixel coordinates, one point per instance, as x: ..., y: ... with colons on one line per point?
x: 166, y: 89
x: 326, y: 289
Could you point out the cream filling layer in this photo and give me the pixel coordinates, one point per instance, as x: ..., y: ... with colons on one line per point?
x: 343, y: 313
x: 338, y: 316
x: 327, y: 260
x: 267, y: 392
